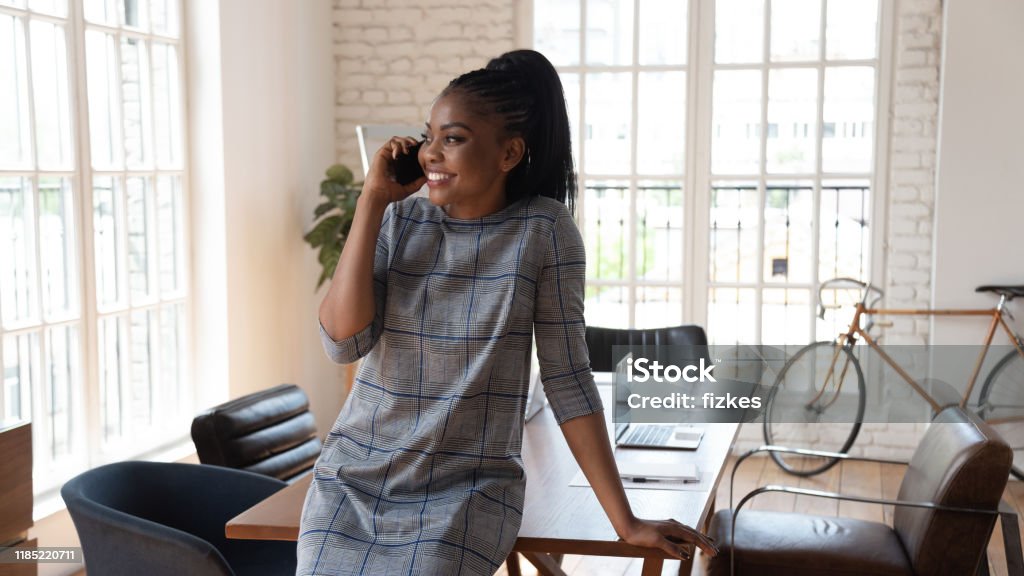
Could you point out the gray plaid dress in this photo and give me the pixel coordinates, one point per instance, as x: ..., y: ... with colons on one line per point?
x: 422, y: 473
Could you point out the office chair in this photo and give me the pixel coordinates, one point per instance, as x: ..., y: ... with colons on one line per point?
x: 943, y: 516
x: 167, y: 519
x: 270, y: 432
x: 601, y: 340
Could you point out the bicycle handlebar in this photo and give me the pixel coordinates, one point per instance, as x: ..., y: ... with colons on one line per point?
x: 846, y: 282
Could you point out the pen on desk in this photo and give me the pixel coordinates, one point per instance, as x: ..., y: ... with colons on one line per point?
x: 642, y: 480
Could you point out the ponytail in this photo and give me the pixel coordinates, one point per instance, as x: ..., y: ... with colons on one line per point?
x: 523, y: 87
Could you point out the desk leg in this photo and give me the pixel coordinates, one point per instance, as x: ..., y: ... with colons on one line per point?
x: 545, y: 564
x: 686, y: 567
x: 652, y: 567
x: 512, y: 564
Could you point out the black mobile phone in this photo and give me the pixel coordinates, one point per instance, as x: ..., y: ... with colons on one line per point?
x: 407, y: 166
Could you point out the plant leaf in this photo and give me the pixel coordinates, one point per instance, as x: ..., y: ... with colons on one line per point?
x: 323, y: 209
x: 324, y: 231
x: 340, y: 173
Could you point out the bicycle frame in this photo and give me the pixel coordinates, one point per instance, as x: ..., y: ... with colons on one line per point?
x: 855, y: 331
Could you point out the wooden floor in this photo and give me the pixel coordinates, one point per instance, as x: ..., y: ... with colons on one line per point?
x: 853, y: 478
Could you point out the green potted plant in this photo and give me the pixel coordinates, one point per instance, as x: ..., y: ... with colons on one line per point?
x: 332, y: 219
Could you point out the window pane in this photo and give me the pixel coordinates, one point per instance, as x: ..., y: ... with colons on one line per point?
x: 739, y: 31
x: 134, y: 13
x: 731, y: 316
x: 788, y: 233
x: 658, y: 307
x: 663, y: 32
x: 610, y: 32
x: 736, y: 122
x: 15, y: 3
x: 14, y: 119
x: 57, y: 250
x: 849, y: 128
x: 50, y: 90
x: 661, y: 130
x: 135, y: 97
x: 112, y: 342
x: 143, y: 325
x: 104, y: 114
x: 19, y: 298
x: 167, y: 106
x: 607, y: 139
x: 171, y: 234
x: 101, y: 12
x: 140, y: 239
x: 172, y: 362
x: 851, y: 29
x: 796, y: 30
x: 606, y: 206
x: 53, y: 7
x: 556, y: 30
x: 571, y: 87
x: 607, y: 306
x: 108, y: 214
x: 64, y: 371
x: 165, y: 17
x: 735, y: 227
x: 21, y: 375
x: 785, y: 316
x: 792, y: 120
x: 845, y: 239
x: 659, y: 250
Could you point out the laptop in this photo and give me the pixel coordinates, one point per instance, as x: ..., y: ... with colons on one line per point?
x: 630, y: 435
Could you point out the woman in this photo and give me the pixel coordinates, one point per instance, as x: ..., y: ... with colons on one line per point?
x: 421, y: 473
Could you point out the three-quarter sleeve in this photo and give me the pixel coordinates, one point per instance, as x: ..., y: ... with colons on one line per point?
x: 559, y: 326
x: 354, y: 347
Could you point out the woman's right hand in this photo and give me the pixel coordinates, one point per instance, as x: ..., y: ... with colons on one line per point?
x: 380, y: 186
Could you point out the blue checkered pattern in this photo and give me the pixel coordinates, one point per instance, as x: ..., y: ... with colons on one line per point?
x: 421, y: 473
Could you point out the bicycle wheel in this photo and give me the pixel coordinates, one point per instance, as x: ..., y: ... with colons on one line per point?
x: 817, y: 402
x: 1001, y: 404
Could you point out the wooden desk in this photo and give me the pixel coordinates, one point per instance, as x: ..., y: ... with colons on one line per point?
x: 557, y: 518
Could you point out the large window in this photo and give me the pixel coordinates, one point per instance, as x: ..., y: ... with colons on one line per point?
x: 92, y: 228
x: 727, y: 156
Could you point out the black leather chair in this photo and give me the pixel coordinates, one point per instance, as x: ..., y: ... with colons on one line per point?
x: 167, y: 519
x: 943, y: 517
x: 270, y: 432
x: 600, y: 341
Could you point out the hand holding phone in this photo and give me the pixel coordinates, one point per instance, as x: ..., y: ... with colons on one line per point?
x: 407, y: 167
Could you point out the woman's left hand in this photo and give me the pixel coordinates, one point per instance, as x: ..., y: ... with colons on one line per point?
x: 668, y: 535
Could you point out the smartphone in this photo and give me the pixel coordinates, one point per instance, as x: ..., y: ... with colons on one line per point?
x: 407, y: 167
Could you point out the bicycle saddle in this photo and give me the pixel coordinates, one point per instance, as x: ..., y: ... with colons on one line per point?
x: 1009, y: 291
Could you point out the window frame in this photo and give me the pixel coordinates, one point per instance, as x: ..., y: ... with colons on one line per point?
x: 698, y: 178
x: 91, y: 450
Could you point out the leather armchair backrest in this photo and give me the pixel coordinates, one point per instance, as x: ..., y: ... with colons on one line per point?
x: 600, y: 341
x: 960, y: 462
x: 270, y: 432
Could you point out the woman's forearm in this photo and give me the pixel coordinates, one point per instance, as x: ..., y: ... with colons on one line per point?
x: 587, y: 437
x: 349, y: 304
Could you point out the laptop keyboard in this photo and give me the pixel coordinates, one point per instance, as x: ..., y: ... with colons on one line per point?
x: 650, y: 435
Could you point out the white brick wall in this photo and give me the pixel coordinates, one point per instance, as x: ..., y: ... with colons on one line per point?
x: 392, y: 57
x: 912, y: 155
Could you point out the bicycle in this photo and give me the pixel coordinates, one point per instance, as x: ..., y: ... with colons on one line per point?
x: 809, y: 389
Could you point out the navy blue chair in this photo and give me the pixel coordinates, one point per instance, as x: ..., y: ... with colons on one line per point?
x: 158, y: 519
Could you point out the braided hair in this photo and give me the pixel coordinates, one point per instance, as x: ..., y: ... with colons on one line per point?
x: 524, y: 89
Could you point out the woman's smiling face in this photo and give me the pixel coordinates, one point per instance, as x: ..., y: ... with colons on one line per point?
x: 467, y: 158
